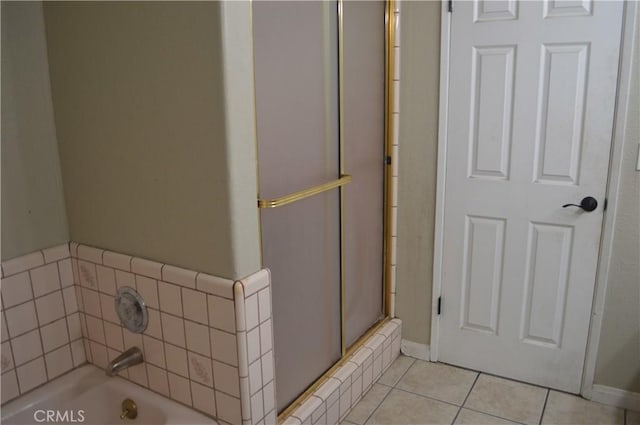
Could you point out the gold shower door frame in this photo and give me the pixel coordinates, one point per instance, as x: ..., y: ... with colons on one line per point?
x: 390, y: 36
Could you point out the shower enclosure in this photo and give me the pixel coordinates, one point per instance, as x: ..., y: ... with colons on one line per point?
x: 320, y: 111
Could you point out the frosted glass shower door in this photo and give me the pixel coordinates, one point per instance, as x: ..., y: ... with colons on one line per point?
x: 320, y: 97
x: 363, y: 122
x: 296, y: 69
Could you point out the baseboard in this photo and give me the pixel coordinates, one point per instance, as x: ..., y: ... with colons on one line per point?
x: 414, y: 349
x: 616, y: 397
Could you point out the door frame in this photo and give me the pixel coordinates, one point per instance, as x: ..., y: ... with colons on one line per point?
x: 629, y: 28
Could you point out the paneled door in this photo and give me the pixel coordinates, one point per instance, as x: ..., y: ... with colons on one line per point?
x: 532, y: 87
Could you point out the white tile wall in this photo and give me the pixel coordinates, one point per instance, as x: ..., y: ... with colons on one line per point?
x: 254, y: 346
x: 395, y: 121
x: 189, y: 345
x: 41, y: 332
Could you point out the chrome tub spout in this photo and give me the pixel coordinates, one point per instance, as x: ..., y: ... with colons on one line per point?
x: 131, y: 357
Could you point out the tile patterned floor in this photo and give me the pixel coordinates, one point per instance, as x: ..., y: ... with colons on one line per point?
x: 418, y: 392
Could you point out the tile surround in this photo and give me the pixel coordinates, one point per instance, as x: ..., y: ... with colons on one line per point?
x: 41, y: 335
x: 58, y: 313
x: 395, y: 142
x: 185, y: 355
x: 334, y: 400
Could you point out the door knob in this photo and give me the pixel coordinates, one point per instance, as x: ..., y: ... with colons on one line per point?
x: 588, y: 204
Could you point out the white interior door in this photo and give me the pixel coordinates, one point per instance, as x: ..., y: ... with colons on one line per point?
x: 532, y: 87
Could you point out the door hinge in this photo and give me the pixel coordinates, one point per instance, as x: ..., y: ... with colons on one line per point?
x: 387, y: 160
x: 439, y: 305
x: 450, y: 6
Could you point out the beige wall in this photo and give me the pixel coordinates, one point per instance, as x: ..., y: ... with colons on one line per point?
x: 241, y: 144
x: 419, y: 70
x: 153, y: 159
x: 33, y: 212
x: 618, y: 363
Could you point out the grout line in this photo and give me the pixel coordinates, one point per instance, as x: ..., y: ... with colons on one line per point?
x: 492, y: 415
x: 465, y: 398
x: 102, y: 321
x: 261, y: 388
x: 395, y: 387
x: 38, y: 328
x: 496, y: 376
x: 184, y: 329
x: 244, y: 302
x: 33, y: 298
x: 544, y: 406
x: 405, y: 372
x: 13, y: 357
x: 213, y: 377
x: 66, y: 314
x: 379, y: 404
x: 453, y: 404
x: 388, y: 392
x: 471, y: 389
x: 426, y: 396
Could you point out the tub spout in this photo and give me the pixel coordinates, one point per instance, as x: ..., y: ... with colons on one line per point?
x: 131, y: 357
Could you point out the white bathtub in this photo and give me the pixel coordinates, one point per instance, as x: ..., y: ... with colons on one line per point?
x: 87, y: 393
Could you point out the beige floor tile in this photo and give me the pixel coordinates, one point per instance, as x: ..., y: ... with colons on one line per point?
x: 439, y: 381
x: 405, y: 408
x: 470, y: 417
x: 396, y: 370
x: 633, y: 418
x: 507, y: 399
x: 365, y: 407
x: 568, y: 409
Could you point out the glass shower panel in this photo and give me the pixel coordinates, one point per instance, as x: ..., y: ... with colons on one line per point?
x: 296, y: 72
x: 300, y: 244
x: 364, y: 117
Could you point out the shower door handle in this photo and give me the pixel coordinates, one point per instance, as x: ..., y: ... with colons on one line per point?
x: 296, y: 196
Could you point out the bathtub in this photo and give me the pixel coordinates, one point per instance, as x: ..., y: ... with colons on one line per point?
x: 87, y: 396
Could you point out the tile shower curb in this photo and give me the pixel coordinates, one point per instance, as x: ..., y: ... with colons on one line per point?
x: 334, y: 399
